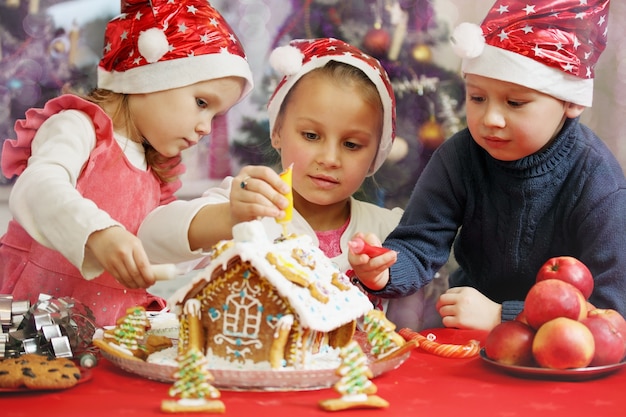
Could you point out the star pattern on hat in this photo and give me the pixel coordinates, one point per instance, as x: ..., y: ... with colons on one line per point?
x: 317, y: 48
x: 190, y: 29
x: 568, y: 35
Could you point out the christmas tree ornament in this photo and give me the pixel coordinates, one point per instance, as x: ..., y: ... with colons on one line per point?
x: 399, y: 18
x: 377, y: 42
x: 431, y: 134
x: 422, y: 53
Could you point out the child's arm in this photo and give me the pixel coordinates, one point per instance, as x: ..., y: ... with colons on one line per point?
x: 122, y: 255
x: 468, y: 308
x: 206, y: 220
x: 372, y: 272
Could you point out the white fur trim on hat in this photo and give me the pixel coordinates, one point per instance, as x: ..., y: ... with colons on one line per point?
x: 467, y: 40
x: 286, y: 60
x: 504, y: 65
x: 158, y: 76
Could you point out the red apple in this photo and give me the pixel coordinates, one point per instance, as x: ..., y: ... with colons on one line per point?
x: 521, y: 317
x: 563, y: 343
x: 552, y: 298
x: 613, y: 316
x: 609, y: 344
x: 511, y: 343
x: 568, y: 269
x: 590, y: 307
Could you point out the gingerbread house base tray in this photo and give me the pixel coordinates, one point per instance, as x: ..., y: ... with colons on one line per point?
x: 260, y: 380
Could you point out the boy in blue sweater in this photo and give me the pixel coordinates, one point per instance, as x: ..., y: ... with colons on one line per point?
x: 526, y: 181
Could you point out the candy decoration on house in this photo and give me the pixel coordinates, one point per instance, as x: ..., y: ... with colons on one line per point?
x: 192, y: 389
x: 354, y: 385
x: 401, y: 34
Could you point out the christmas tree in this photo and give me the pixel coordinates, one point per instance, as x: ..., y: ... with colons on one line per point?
x: 40, y: 58
x: 401, y: 35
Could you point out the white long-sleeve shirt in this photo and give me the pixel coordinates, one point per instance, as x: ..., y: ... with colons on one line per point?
x: 44, y: 198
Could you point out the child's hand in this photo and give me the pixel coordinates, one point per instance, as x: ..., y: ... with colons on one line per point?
x: 468, y: 308
x: 122, y: 255
x: 371, y: 263
x: 257, y: 191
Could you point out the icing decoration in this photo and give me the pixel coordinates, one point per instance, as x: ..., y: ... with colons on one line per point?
x: 287, y: 176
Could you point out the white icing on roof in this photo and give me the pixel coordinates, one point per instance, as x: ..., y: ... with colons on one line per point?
x: 252, y: 244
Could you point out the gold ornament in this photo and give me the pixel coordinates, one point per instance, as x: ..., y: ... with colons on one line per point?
x: 431, y: 134
x: 422, y: 53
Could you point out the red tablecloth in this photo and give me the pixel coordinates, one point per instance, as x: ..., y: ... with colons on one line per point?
x: 425, y: 385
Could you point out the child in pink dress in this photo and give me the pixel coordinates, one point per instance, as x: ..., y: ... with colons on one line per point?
x: 89, y: 170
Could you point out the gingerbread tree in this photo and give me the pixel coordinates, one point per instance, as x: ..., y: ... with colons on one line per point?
x: 193, y: 385
x: 381, y: 334
x: 354, y: 385
x: 130, y: 330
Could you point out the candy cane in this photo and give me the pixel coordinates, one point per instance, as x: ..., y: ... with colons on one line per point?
x: 446, y: 350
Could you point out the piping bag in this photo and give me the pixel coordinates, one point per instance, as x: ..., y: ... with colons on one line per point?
x: 287, y: 176
x: 164, y: 272
x: 360, y: 246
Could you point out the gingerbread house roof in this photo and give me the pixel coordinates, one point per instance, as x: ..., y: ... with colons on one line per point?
x: 298, y: 270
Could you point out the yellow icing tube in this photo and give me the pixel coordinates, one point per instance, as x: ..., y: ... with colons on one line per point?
x: 286, y: 176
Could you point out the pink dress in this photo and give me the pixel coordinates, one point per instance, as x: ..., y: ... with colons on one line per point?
x: 126, y: 193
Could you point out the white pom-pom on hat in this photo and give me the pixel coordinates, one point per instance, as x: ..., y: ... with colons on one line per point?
x: 152, y: 44
x: 286, y: 60
x: 468, y: 40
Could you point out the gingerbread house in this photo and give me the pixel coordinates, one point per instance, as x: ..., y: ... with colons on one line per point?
x: 268, y: 302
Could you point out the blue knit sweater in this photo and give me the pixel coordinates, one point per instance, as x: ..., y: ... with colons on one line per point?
x: 511, y: 217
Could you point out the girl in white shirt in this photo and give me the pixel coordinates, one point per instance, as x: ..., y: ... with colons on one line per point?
x: 332, y: 118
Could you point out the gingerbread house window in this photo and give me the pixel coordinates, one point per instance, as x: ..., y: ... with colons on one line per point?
x: 243, y: 311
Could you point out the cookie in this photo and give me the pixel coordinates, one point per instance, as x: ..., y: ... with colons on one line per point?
x: 155, y: 343
x: 207, y: 406
x: 38, y: 372
x: 41, y: 372
x: 338, y: 404
x: 10, y: 374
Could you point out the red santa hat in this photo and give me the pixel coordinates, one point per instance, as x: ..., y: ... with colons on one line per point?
x: 549, y: 46
x: 156, y: 45
x: 303, y: 55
